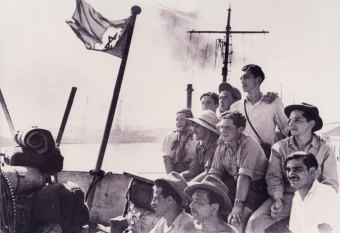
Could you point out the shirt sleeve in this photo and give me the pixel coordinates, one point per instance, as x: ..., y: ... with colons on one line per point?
x: 329, y: 211
x: 250, y: 155
x: 217, y: 163
x: 280, y: 118
x: 274, y: 177
x: 329, y: 174
x: 167, y: 144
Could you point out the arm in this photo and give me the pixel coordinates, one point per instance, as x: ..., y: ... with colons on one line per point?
x: 236, y: 215
x: 194, y: 170
x: 217, y: 168
x: 329, y: 172
x: 168, y: 164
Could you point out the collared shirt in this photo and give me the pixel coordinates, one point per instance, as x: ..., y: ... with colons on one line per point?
x: 204, y: 156
x: 247, y: 159
x: 276, y: 178
x: 182, y: 223
x: 321, y: 205
x: 171, y: 150
x: 264, y: 117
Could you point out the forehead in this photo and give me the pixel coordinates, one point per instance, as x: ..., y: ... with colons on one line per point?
x: 200, y: 194
x: 207, y: 98
x: 225, y: 93
x: 247, y: 74
x: 157, y: 190
x: 294, y: 163
x: 297, y: 114
x: 227, y: 122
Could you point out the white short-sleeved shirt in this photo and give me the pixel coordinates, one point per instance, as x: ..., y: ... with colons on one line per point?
x: 321, y: 205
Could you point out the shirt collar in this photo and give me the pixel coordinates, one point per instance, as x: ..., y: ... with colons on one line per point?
x: 315, y: 185
x: 176, y: 222
x: 314, y: 143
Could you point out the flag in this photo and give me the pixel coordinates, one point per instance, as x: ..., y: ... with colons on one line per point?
x: 97, y: 32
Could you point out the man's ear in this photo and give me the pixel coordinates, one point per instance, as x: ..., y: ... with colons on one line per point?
x: 215, y: 207
x: 240, y: 129
x: 312, y: 170
x: 312, y: 123
x: 170, y: 199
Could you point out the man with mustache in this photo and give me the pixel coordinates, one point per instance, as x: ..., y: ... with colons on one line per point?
x: 315, y: 206
x: 304, y: 120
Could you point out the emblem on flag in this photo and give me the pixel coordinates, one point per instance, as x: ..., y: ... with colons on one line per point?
x: 97, y: 32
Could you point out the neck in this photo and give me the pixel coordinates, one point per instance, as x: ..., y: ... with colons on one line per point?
x: 303, y: 140
x: 254, y: 95
x: 304, y: 190
x: 233, y: 143
x: 172, y: 214
x: 212, y: 224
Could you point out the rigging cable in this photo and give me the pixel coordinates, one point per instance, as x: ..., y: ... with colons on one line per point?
x: 189, y: 46
x: 198, y: 39
x: 205, y: 54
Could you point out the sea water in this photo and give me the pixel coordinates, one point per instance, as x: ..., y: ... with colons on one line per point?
x: 143, y: 159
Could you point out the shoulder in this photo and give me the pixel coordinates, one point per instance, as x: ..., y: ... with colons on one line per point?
x: 235, y: 106
x: 249, y: 141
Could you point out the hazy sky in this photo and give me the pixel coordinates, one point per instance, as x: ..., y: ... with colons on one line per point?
x: 41, y: 58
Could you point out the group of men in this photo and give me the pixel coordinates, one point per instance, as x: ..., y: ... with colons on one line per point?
x: 235, y: 183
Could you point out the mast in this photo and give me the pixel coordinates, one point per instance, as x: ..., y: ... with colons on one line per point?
x: 228, y: 32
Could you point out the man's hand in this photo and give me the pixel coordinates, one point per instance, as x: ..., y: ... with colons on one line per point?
x: 236, y: 215
x: 276, y: 208
x: 269, y: 97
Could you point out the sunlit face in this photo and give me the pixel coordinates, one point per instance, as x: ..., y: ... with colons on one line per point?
x: 200, y: 131
x: 249, y: 82
x: 298, y: 174
x: 208, y: 103
x: 159, y: 203
x: 226, y: 99
x: 181, y: 121
x: 228, y: 130
x: 200, y: 207
x: 299, y: 124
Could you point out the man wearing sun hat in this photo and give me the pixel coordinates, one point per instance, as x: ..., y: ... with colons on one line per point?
x: 207, y: 135
x: 169, y: 201
x: 304, y: 120
x: 227, y: 96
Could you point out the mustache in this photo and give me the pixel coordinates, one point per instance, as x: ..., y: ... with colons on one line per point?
x: 293, y: 177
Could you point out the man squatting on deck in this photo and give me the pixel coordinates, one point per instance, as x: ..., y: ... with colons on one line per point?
x: 226, y: 150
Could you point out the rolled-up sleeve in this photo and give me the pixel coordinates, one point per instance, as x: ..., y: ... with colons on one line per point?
x: 167, y: 144
x: 274, y: 176
x: 280, y: 118
x: 250, y: 155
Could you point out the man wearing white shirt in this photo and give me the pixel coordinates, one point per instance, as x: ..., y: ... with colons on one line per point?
x: 315, y: 206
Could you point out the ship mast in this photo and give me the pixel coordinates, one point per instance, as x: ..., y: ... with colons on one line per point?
x: 228, y: 32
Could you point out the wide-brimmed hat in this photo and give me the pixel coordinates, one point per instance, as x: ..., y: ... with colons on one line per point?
x: 309, y: 109
x: 215, y: 185
x: 233, y: 90
x: 178, y: 183
x: 207, y: 119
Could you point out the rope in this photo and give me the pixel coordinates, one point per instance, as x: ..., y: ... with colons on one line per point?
x: 198, y: 39
x: 205, y: 54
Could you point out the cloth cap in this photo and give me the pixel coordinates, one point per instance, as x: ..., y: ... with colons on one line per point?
x: 309, y: 109
x: 207, y: 119
x: 178, y: 183
x: 227, y: 87
x: 214, y: 185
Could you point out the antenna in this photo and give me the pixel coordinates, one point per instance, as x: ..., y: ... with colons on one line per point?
x: 228, y: 32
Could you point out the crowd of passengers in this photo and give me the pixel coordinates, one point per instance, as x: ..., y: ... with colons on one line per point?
x: 247, y: 165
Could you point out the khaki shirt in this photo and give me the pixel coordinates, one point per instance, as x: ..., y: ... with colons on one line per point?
x: 182, y: 223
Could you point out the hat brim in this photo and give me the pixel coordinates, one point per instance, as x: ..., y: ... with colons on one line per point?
x: 317, y: 119
x: 178, y: 191
x: 189, y: 191
x: 204, y: 124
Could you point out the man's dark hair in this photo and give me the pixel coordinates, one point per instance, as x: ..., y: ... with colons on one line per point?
x: 214, y: 198
x: 308, y: 159
x: 213, y: 95
x: 254, y: 70
x: 168, y: 190
x: 238, y: 119
x: 187, y: 112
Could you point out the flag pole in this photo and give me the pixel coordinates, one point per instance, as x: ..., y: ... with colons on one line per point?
x: 97, y: 173
x: 65, y: 117
x: 8, y: 117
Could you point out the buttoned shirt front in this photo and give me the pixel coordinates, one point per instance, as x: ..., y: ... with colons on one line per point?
x: 276, y: 177
x: 321, y: 205
x: 264, y: 117
x: 247, y: 159
x: 182, y: 223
